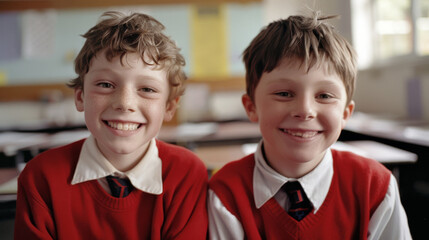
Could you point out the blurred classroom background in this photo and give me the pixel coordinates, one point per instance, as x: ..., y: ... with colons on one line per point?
x: 40, y: 39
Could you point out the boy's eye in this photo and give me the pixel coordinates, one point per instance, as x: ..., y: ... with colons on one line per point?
x: 105, y: 85
x: 284, y: 94
x: 324, y: 96
x: 148, y: 90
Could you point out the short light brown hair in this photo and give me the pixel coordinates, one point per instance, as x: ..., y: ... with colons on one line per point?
x: 119, y: 34
x: 309, y: 39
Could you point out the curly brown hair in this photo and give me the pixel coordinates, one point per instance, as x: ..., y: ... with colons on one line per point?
x: 119, y: 34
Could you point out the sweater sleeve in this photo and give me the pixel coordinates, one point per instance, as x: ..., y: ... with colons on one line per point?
x: 389, y: 220
x: 222, y: 223
x: 33, y: 218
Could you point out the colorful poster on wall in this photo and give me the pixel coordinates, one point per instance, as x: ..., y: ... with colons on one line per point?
x: 209, y: 42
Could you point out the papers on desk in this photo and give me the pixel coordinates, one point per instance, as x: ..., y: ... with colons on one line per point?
x: 11, y: 142
x: 187, y: 132
x: 191, y: 131
x: 377, y: 151
x: 419, y: 133
x: 66, y: 137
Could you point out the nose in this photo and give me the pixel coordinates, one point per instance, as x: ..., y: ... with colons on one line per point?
x: 124, y: 100
x: 304, y: 108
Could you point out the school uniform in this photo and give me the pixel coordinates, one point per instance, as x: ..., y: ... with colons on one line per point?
x: 352, y: 198
x: 63, y: 194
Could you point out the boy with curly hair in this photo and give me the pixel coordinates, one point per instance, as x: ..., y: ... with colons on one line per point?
x: 121, y: 182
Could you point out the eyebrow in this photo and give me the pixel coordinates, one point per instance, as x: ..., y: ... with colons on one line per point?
x: 96, y: 70
x: 285, y: 79
x: 331, y: 83
x: 110, y: 71
x: 324, y: 82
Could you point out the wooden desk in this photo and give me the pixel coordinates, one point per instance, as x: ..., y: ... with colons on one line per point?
x: 211, y: 133
x: 216, y: 157
x: 8, y: 190
x: 7, y: 174
x: 405, y: 131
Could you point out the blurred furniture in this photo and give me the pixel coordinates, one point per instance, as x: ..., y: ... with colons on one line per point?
x: 215, y: 157
x: 409, y: 135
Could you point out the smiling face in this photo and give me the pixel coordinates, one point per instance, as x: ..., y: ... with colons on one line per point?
x: 300, y: 115
x: 124, y: 105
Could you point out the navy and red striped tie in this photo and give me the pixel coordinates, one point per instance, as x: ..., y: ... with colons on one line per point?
x: 119, y: 187
x: 300, y: 205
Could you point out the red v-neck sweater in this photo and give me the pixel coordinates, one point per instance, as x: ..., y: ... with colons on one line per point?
x: 358, y: 187
x: 49, y: 207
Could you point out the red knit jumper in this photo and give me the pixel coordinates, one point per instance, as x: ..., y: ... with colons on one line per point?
x: 358, y: 186
x: 49, y: 207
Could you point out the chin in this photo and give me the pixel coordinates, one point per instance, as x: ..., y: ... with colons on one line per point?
x: 125, y: 149
x: 304, y: 157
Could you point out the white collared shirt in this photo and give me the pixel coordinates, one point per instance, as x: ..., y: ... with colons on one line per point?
x: 389, y: 221
x: 145, y: 176
x: 267, y: 182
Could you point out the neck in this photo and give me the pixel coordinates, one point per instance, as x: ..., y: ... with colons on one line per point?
x: 291, y: 168
x: 125, y: 161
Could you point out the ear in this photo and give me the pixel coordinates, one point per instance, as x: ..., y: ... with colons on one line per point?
x: 171, y: 109
x: 78, y: 99
x: 347, y: 113
x: 250, y: 108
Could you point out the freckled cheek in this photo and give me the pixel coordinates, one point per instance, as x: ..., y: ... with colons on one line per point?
x: 96, y: 104
x: 155, y: 110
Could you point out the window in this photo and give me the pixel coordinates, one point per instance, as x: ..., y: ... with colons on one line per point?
x: 422, y: 27
x: 384, y: 30
x: 393, y: 28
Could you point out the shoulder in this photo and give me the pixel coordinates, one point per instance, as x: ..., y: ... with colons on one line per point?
x: 233, y: 184
x: 235, y: 171
x: 179, y: 159
x: 362, y: 171
x: 349, y: 161
x: 53, y: 161
x: 183, y: 174
x: 177, y: 155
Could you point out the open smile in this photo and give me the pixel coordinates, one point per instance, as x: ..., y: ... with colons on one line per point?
x: 301, y: 133
x: 123, y: 126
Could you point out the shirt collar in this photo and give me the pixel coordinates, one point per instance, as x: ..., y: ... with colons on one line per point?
x: 145, y: 176
x: 267, y: 182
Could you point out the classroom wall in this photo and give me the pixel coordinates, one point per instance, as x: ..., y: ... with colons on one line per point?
x: 276, y: 9
x: 400, y: 90
x: 243, y: 21
x: 381, y: 90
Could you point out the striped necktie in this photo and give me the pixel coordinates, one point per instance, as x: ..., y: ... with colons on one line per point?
x: 119, y: 187
x: 300, y: 205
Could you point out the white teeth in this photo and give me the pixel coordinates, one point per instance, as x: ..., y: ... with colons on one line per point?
x: 307, y: 134
x: 123, y: 126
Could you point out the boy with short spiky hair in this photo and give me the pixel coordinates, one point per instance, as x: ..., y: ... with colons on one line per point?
x: 300, y: 77
x: 120, y: 183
